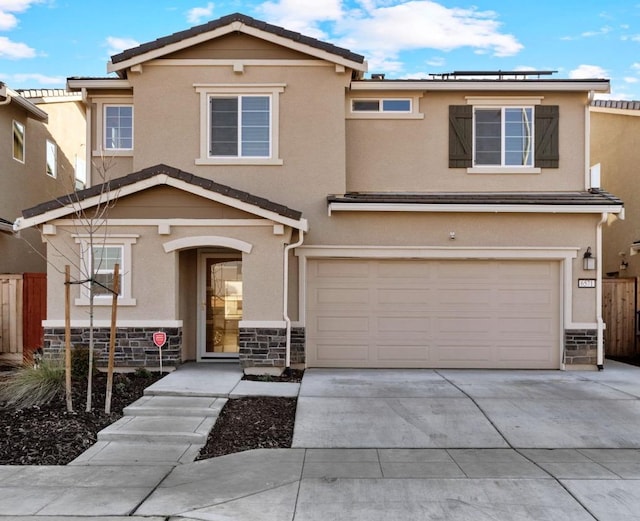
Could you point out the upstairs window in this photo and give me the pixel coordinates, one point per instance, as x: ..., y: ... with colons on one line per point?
x: 52, y: 159
x: 18, y: 141
x: 118, y: 127
x: 240, y: 126
x: 503, y: 136
x: 381, y: 105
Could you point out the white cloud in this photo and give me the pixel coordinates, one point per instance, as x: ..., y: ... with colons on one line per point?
x: 15, y: 50
x: 302, y: 15
x: 9, y: 21
x: 602, y: 31
x: 198, y: 14
x: 631, y: 79
x: 117, y: 45
x: 588, y: 72
x: 437, y: 61
x: 421, y: 24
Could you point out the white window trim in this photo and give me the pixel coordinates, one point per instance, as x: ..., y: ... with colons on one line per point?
x: 24, y: 141
x: 126, y: 241
x: 502, y: 168
x: 380, y: 114
x: 53, y: 175
x: 100, y: 149
x: 273, y: 90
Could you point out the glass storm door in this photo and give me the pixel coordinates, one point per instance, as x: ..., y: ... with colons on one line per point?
x: 223, y: 307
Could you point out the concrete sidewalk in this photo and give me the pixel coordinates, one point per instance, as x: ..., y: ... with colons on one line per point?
x: 586, y: 467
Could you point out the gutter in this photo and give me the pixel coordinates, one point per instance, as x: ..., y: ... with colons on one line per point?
x: 285, y: 304
x: 599, y: 319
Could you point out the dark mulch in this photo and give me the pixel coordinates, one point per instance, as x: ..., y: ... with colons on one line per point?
x: 288, y: 375
x: 251, y: 423
x: 49, y: 435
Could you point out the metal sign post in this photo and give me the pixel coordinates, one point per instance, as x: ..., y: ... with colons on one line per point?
x: 160, y: 339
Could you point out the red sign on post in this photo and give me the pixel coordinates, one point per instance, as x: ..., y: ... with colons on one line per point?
x: 159, y: 338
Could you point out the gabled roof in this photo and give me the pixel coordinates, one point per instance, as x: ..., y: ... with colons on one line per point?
x: 155, y: 176
x: 592, y: 201
x: 236, y: 22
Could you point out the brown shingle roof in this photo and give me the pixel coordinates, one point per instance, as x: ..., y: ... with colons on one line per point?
x: 175, y: 173
x: 593, y: 197
x: 226, y: 20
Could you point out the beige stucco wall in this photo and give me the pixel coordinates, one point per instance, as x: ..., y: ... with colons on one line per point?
x: 23, y: 185
x: 157, y: 275
x: 615, y: 144
x: 395, y: 155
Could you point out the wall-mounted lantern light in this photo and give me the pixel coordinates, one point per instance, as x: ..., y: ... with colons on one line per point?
x: 588, y: 260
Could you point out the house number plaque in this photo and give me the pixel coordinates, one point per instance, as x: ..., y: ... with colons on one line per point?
x: 586, y: 283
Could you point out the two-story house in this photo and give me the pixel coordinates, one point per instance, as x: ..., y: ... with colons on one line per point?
x: 273, y: 205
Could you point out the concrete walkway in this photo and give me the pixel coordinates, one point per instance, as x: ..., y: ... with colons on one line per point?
x: 171, y: 422
x: 586, y: 467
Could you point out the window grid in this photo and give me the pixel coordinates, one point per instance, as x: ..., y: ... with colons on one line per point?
x: 503, y: 136
x: 105, y: 258
x: 118, y: 127
x: 240, y: 126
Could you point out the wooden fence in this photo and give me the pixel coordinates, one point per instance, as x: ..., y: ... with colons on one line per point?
x: 23, y: 307
x: 619, y: 314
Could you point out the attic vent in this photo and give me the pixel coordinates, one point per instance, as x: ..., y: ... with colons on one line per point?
x: 377, y: 76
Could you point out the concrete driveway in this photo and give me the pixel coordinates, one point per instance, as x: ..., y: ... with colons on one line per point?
x: 469, y: 409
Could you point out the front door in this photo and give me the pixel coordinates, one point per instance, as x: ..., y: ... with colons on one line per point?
x: 221, y: 311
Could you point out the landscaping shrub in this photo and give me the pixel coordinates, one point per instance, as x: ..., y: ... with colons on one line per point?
x: 33, y: 385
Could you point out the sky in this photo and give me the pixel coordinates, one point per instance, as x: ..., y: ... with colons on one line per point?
x: 43, y: 42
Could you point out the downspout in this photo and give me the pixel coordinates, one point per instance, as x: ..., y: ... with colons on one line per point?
x: 599, y: 319
x: 89, y: 145
x: 285, y: 303
x: 587, y: 142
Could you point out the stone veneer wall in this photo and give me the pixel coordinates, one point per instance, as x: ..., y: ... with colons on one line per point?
x: 134, y: 345
x: 265, y: 347
x: 581, y: 346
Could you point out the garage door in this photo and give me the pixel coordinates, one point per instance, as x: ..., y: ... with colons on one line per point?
x: 428, y: 313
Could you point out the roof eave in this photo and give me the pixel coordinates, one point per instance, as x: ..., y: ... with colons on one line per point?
x: 33, y: 111
x: 337, y: 206
x: 236, y: 26
x: 596, y: 85
x: 75, y: 84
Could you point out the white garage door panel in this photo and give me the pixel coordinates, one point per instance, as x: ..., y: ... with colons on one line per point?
x: 428, y: 313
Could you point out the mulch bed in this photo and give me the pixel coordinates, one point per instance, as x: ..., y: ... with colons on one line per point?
x: 49, y: 435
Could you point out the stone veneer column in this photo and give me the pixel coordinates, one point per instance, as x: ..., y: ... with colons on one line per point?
x: 134, y: 345
x: 581, y: 346
x: 265, y: 347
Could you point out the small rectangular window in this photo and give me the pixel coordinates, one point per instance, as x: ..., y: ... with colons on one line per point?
x: 52, y: 159
x: 118, y: 127
x: 381, y: 105
x: 18, y: 141
x: 105, y: 258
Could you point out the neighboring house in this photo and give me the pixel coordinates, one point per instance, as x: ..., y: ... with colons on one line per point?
x: 37, y: 135
x: 273, y: 205
x: 615, y: 145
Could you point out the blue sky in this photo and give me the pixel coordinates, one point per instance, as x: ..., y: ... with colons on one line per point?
x: 42, y: 42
